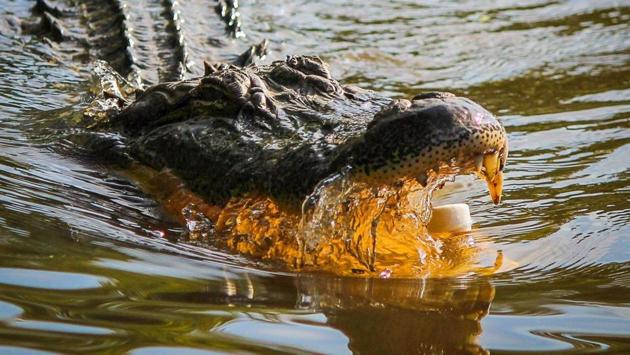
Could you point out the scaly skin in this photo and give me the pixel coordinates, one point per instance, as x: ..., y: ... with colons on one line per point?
x: 278, y: 130
x: 145, y: 44
x: 250, y: 144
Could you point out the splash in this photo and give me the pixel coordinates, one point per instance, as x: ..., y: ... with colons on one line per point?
x: 367, y: 228
x: 110, y: 93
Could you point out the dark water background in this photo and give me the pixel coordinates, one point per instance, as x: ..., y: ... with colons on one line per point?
x: 83, y: 269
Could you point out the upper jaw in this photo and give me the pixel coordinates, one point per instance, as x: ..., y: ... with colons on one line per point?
x: 487, y: 165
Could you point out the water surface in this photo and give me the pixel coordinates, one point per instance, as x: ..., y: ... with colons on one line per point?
x: 84, y: 266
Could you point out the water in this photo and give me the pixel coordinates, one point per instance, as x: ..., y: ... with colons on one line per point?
x: 348, y: 227
x: 84, y: 266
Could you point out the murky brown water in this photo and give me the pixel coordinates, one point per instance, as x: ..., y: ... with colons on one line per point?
x: 82, y: 267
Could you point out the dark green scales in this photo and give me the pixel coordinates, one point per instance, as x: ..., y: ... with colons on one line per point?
x: 280, y: 129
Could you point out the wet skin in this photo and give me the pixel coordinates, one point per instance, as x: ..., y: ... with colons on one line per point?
x: 244, y: 149
x: 278, y: 130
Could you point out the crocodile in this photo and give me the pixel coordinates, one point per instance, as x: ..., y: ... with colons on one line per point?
x: 282, y: 161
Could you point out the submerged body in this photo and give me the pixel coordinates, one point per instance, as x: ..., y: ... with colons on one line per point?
x: 290, y: 164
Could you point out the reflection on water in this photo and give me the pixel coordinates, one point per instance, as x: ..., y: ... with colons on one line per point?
x: 88, y: 261
x: 402, y: 316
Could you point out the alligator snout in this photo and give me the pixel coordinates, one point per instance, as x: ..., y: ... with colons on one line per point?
x: 432, y: 133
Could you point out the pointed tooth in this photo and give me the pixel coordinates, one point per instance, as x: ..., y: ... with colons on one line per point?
x: 208, y: 68
x: 495, y: 187
x: 491, y: 164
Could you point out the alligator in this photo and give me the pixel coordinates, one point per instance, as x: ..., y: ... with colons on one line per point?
x: 282, y: 161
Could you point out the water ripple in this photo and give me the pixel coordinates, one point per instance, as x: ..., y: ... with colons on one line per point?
x: 91, y: 264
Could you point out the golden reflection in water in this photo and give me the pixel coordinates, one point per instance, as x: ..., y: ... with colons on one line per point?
x: 345, y: 228
x: 438, y: 316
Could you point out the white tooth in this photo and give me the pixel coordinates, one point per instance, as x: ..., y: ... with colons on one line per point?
x: 491, y: 163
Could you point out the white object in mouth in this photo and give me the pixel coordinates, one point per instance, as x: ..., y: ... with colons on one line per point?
x: 452, y: 218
